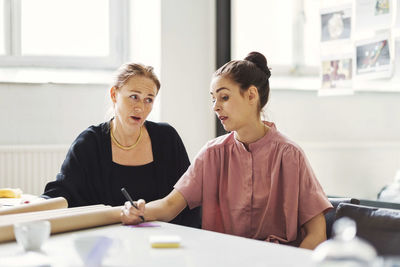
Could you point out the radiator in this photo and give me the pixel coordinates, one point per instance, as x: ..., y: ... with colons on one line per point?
x: 30, y: 167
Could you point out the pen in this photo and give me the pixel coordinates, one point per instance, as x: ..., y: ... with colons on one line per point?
x: 128, y: 197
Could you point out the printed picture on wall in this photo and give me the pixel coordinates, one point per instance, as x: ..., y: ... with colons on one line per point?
x: 373, y: 57
x: 335, y: 25
x: 372, y: 15
x: 336, y: 73
x: 381, y: 7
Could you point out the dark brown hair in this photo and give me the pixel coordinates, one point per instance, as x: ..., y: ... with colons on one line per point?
x: 253, y: 70
x: 129, y: 70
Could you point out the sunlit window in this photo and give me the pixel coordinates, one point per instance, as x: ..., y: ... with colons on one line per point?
x: 65, y: 28
x: 64, y: 33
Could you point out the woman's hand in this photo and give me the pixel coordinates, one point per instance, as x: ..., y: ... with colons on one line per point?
x: 164, y: 209
x: 132, y: 215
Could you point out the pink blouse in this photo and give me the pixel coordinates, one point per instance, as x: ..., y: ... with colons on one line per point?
x: 266, y: 192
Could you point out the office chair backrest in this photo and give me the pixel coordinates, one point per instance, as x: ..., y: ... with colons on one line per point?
x: 380, y: 204
x: 330, y: 216
x: 379, y: 226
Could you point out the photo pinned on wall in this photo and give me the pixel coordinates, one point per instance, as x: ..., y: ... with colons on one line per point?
x: 373, y: 59
x: 373, y: 15
x: 381, y: 7
x: 336, y: 75
x: 336, y: 23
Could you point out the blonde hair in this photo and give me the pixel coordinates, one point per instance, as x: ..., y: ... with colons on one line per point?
x: 126, y: 71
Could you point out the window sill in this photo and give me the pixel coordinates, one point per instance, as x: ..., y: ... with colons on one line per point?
x: 54, y: 76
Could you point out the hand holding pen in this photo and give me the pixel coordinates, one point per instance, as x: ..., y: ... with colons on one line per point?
x: 126, y: 209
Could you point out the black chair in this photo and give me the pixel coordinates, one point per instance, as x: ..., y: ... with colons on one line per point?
x: 380, y: 204
x: 379, y: 226
x: 330, y: 216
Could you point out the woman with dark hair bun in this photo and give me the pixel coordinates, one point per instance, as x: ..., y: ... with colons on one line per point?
x: 252, y: 182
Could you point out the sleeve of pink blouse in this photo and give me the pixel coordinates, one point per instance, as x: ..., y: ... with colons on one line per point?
x: 312, y: 198
x: 190, y: 185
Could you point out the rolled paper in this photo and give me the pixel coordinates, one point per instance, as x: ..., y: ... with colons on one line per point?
x: 47, y: 204
x: 63, y: 220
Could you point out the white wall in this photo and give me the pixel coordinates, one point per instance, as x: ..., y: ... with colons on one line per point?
x: 187, y: 63
x: 48, y: 113
x: 352, y: 142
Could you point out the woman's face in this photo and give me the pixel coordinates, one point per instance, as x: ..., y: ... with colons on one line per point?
x: 134, y: 101
x: 232, y: 108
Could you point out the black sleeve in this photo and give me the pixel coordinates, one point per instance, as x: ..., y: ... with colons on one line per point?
x: 72, y: 182
x: 187, y: 217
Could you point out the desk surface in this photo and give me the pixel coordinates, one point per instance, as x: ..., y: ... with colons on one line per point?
x: 198, y: 248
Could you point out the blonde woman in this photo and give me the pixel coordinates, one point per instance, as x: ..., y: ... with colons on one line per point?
x: 144, y: 157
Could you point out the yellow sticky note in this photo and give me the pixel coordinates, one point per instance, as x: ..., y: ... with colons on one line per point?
x: 165, y: 241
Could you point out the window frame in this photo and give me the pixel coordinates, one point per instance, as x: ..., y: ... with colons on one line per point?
x: 118, y: 42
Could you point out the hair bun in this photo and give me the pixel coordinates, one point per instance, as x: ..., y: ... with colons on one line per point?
x: 260, y: 61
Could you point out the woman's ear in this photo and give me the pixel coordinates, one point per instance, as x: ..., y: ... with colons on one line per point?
x: 253, y: 94
x: 113, y: 92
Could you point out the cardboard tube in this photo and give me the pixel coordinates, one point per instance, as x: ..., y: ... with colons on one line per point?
x: 48, y: 204
x: 21, y: 217
x: 68, y: 221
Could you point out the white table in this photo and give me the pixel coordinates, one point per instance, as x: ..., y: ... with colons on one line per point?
x: 198, y: 248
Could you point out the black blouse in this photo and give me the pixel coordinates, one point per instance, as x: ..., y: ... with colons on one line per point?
x: 86, y: 176
x: 139, y: 181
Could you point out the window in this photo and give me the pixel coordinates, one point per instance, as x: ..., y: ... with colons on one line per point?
x: 285, y: 31
x: 64, y: 33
